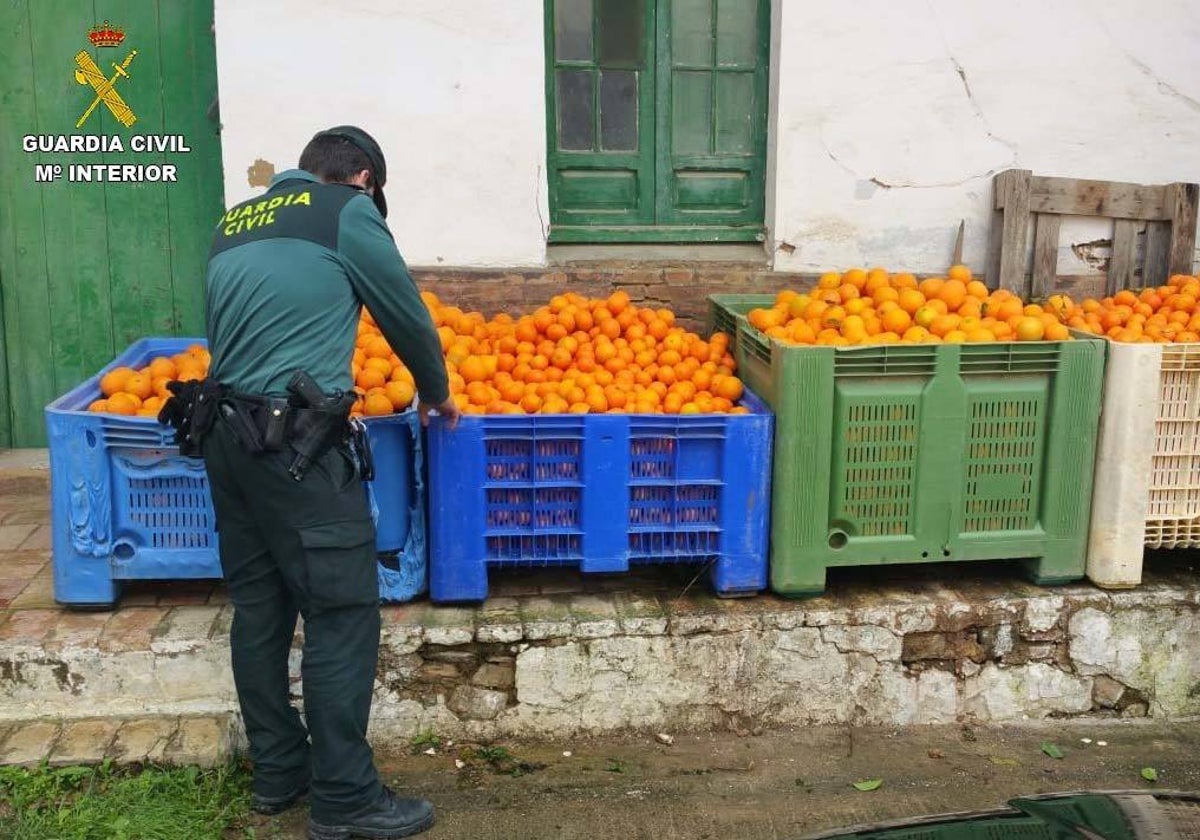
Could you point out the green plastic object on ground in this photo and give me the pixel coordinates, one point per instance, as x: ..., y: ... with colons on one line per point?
x: 924, y: 453
x: 1098, y: 815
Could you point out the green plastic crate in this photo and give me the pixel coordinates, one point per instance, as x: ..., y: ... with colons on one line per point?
x: 726, y: 312
x: 928, y: 453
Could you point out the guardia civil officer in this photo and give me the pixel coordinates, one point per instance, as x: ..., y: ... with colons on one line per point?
x: 288, y: 274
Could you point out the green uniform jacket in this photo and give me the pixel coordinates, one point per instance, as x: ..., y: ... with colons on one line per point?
x: 287, y: 276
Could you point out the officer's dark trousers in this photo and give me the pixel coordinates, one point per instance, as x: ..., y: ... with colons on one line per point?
x: 304, y: 548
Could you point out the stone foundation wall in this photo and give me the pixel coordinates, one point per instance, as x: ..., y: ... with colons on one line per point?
x: 682, y: 288
x: 589, y: 664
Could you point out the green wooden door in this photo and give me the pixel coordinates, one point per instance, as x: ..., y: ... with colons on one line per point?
x: 656, y: 119
x: 86, y: 268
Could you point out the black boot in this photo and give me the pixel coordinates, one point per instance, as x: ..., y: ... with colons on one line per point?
x: 393, y: 816
x: 272, y: 805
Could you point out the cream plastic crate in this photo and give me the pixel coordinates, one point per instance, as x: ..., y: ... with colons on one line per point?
x: 1147, y: 487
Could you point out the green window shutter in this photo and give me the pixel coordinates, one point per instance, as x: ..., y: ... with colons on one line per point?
x: 600, y: 111
x: 711, y: 108
x: 656, y: 119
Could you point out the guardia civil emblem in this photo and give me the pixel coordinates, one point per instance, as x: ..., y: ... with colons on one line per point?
x: 105, y: 89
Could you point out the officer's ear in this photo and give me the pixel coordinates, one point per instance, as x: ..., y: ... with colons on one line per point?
x: 361, y: 179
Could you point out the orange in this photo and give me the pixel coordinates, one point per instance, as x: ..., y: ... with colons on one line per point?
x: 369, y: 378
x: 376, y: 403
x: 384, y: 366
x: 911, y: 300
x: 953, y: 293
x: 896, y: 320
x: 944, y: 324
x: 1030, y: 329
x: 1005, y: 309
x: 618, y: 301
x: 473, y: 369
x: 162, y: 367
x: 115, y: 379
x: 400, y: 394
x: 140, y: 385
x: 123, y: 403
x: 885, y: 293
x: 959, y: 272
x: 924, y: 316
x: 1058, y: 332
x: 378, y: 348
x: 728, y: 387
x: 98, y: 405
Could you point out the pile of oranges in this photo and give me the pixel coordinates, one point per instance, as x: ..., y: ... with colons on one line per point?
x: 1160, y: 315
x: 575, y: 355
x: 383, y: 383
x: 861, y: 307
x: 142, y: 392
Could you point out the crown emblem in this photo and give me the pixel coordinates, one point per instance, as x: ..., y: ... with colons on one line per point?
x: 106, y: 35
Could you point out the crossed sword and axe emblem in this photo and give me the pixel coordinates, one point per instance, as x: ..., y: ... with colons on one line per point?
x: 90, y: 74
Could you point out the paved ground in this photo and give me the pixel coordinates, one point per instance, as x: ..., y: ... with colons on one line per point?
x: 776, y: 785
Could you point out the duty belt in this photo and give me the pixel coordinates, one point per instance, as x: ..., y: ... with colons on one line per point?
x: 274, y: 424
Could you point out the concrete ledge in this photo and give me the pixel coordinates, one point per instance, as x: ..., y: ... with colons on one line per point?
x: 203, y: 740
x: 987, y: 650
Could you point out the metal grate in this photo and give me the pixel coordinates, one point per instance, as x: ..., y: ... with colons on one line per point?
x: 879, y: 452
x: 172, y: 512
x: 1003, y: 464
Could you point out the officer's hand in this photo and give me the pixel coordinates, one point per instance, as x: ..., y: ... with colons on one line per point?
x: 448, y: 410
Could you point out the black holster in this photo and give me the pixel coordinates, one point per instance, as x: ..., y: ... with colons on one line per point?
x: 317, y: 430
x: 258, y: 424
x: 321, y: 423
x: 191, y: 411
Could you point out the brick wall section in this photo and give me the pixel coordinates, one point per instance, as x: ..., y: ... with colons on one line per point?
x: 681, y: 288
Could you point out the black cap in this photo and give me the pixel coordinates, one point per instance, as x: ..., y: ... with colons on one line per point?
x: 367, y: 145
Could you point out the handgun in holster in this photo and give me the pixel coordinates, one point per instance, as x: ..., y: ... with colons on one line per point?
x: 319, y: 425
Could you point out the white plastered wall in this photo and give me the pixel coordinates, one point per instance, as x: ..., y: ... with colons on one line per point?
x: 894, y: 116
x: 452, y: 89
x: 889, y: 118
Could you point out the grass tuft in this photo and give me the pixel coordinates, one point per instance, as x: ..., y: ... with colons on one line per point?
x: 129, y: 803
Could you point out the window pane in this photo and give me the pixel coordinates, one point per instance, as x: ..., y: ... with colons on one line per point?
x: 691, y: 32
x: 691, y: 113
x: 737, y: 32
x: 574, y: 109
x: 735, y: 113
x: 622, y: 32
x: 573, y: 30
x: 618, y: 110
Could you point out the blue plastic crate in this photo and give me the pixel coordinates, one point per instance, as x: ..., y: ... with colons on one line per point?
x: 125, y: 505
x: 601, y: 492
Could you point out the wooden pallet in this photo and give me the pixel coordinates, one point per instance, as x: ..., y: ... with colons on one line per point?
x: 1166, y: 211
